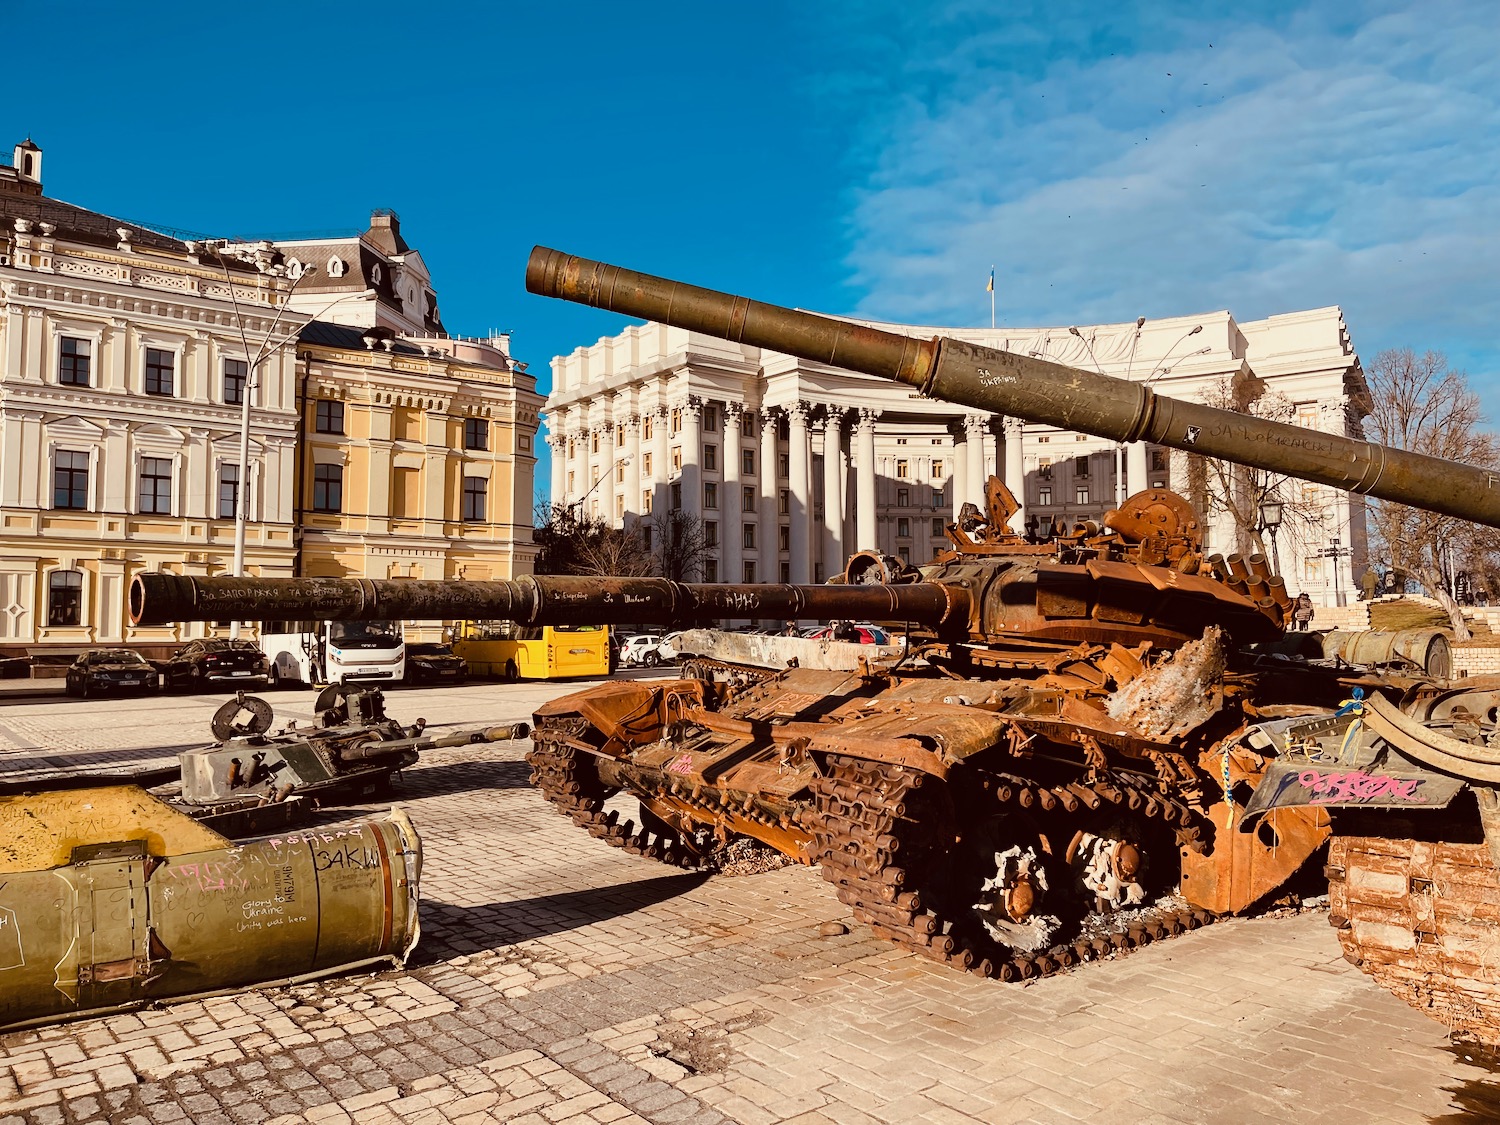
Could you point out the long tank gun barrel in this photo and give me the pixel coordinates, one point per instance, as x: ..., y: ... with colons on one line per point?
x: 367, y: 751
x: 160, y: 599
x: 1037, y: 390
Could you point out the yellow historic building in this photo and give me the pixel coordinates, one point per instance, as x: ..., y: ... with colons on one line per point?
x: 417, y: 456
x: 135, y: 364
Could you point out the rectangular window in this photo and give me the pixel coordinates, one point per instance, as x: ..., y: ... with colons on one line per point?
x: 229, y: 491
x: 159, y: 371
x: 1081, y: 495
x: 65, y: 598
x: 1044, y: 439
x: 328, y: 417
x: 646, y: 463
x: 939, y: 498
x: 937, y: 528
x: 903, y: 470
x: 236, y: 371
x: 784, y: 463
x: 646, y: 503
x: 711, y: 419
x: 475, y: 491
x: 676, y: 420
x: 156, y: 486
x: 711, y: 457
x: 476, y: 433
x: 905, y: 553
x: 786, y: 539
x: 786, y: 572
x: 676, y: 496
x: 710, y: 495
x: 903, y: 498
x: 646, y: 534
x: 73, y: 363
x: 1081, y: 466
x: 570, y: 481
x: 747, y: 539
x: 903, y: 528
x: 1044, y: 495
x: 747, y: 572
x: 70, y: 481
x: 619, y: 434
x: 594, y: 442
x: 1307, y: 415
x: 1158, y: 460
x: 328, y: 488
x: 620, y: 473
x: 677, y: 458
x: 937, y: 470
x: 786, y: 502
x: 648, y: 427
x: 572, y: 448
x: 710, y: 534
x: 619, y: 507
x: 747, y: 462
x: 1044, y: 469
x: 747, y: 499
x: 710, y: 570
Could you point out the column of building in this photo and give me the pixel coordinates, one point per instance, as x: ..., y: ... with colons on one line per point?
x: 799, y: 479
x: 833, y: 493
x: 770, y: 515
x: 661, y: 465
x: 559, y: 445
x: 730, y: 535
x: 632, y: 468
x: 1015, y: 468
x: 864, y: 487
x: 692, y: 451
x: 607, y: 456
x: 975, y: 476
x: 1135, y: 467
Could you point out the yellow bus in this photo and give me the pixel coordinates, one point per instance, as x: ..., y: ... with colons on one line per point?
x: 551, y: 652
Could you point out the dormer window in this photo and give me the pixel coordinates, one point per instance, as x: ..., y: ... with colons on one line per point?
x: 337, y: 267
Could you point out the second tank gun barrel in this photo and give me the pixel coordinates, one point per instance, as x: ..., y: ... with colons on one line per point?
x: 366, y: 751
x: 1036, y: 390
x: 160, y: 599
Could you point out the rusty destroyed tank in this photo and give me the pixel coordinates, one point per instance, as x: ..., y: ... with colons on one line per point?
x: 1058, y: 761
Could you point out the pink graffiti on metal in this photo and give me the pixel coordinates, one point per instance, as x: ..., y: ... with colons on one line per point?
x: 1358, y: 786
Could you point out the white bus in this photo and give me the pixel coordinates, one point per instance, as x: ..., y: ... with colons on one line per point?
x: 333, y: 652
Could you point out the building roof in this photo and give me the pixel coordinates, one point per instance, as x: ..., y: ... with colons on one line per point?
x: 78, y: 223
x: 330, y: 335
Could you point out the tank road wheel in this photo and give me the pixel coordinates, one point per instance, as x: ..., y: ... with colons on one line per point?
x: 999, y: 876
x: 569, y: 778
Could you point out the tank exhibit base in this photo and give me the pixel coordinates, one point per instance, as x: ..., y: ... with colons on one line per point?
x: 110, y: 899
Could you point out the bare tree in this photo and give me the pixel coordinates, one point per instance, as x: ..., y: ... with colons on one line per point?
x: 1241, y: 489
x: 569, y: 543
x: 1421, y: 404
x: 679, y: 544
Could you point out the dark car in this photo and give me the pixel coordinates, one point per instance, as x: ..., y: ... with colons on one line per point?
x: 111, y: 669
x: 430, y: 662
x: 215, y: 660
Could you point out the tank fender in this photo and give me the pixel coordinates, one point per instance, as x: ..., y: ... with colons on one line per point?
x: 932, y: 739
x: 629, y: 713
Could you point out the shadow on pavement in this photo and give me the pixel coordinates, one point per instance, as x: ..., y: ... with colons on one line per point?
x: 449, y: 930
x: 461, y: 777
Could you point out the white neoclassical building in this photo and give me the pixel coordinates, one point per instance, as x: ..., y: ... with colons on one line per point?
x: 793, y: 465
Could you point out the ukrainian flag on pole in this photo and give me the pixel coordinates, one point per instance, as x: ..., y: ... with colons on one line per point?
x: 990, y: 285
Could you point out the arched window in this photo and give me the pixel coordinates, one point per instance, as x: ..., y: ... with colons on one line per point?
x: 64, y: 598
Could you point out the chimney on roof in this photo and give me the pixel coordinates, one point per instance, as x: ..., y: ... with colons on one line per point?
x: 385, y: 231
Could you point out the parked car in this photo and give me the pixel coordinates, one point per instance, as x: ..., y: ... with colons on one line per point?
x: 640, y: 650
x: 666, y: 649
x: 111, y: 669
x: 214, y: 660
x: 430, y: 662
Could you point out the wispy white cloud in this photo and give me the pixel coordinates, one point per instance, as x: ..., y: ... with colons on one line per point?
x: 1308, y: 159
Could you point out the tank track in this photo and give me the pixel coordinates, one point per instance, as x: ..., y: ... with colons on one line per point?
x: 879, y: 832
x: 568, y: 777
x: 1423, y: 919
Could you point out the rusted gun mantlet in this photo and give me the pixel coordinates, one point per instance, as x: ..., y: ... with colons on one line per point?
x: 1021, y: 386
x: 160, y: 599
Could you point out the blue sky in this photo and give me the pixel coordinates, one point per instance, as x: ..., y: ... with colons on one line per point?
x: 1111, y: 160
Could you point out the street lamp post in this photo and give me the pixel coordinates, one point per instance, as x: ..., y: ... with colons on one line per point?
x: 573, y: 509
x: 1335, y: 552
x: 1270, y: 520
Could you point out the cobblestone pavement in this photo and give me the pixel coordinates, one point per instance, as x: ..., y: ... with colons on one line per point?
x: 562, y: 981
